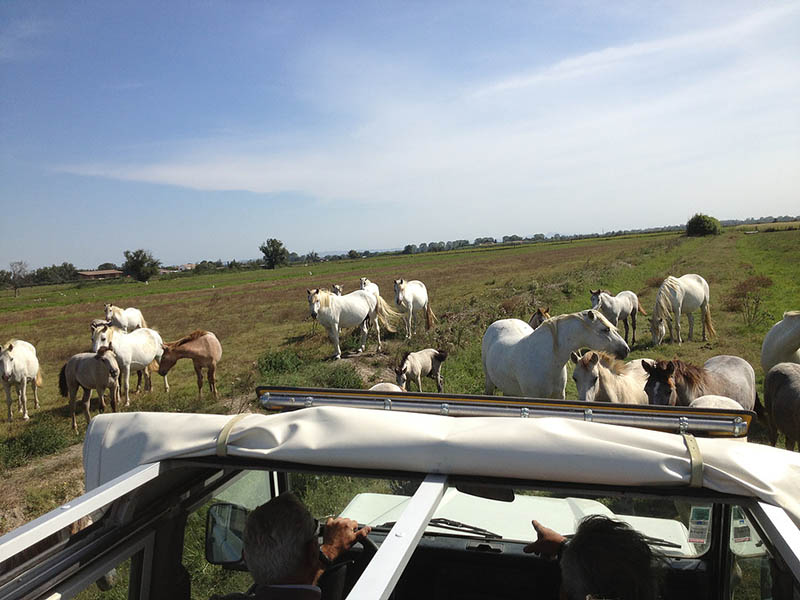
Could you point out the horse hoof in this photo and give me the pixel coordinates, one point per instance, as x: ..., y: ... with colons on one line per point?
x: 25, y: 417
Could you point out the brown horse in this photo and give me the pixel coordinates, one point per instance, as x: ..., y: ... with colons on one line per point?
x: 203, y: 348
x: 539, y: 317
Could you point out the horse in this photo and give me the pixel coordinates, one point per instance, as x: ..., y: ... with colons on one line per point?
x: 618, y: 308
x: 424, y: 363
x: 386, y: 387
x: 782, y: 403
x: 410, y: 296
x: 676, y: 295
x: 90, y: 370
x: 712, y: 401
x: 203, y: 348
x: 521, y: 361
x: 782, y: 342
x: 18, y: 366
x: 337, y: 289
x: 126, y: 319
x: 358, y: 308
x: 539, y: 317
x: 600, y: 377
x: 138, y: 350
x: 677, y: 383
x: 366, y: 285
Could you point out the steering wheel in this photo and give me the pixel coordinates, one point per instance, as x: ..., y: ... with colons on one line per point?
x: 360, y: 562
x: 339, y: 579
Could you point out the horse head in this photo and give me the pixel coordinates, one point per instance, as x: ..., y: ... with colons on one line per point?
x: 168, y: 359
x: 108, y: 309
x: 337, y: 289
x: 107, y: 356
x: 399, y: 288
x: 5, y: 362
x: 586, y: 375
x: 658, y: 329
x: 603, y: 335
x: 101, y: 336
x: 313, y: 302
x: 660, y: 386
x: 363, y: 282
x: 539, y: 317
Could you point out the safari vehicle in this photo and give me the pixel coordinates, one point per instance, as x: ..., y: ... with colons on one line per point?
x: 450, y: 498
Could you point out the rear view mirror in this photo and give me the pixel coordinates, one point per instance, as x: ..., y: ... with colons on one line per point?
x: 225, y: 535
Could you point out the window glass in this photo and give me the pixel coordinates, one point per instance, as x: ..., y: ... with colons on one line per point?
x: 112, y: 586
x: 751, y: 564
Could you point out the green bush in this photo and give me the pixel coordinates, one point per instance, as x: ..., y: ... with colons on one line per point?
x: 341, y: 375
x: 38, y: 439
x: 278, y: 362
x: 701, y: 224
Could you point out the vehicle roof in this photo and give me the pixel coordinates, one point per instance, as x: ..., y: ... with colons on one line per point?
x: 540, y: 449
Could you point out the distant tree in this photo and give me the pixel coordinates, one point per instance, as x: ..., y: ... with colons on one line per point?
x: 19, y: 271
x: 701, y: 224
x: 312, y: 257
x: 234, y: 265
x: 140, y: 264
x: 275, y: 254
x: 107, y: 266
x: 409, y: 249
x: 353, y: 254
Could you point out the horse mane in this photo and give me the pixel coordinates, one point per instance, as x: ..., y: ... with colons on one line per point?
x: 197, y: 333
x: 663, y: 307
x: 102, y: 350
x: 552, y: 325
x: 324, y: 297
x: 791, y: 313
x: 404, y: 359
x: 687, y: 374
x: 5, y: 346
x: 617, y: 367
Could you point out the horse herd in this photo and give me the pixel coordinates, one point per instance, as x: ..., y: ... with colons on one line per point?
x: 121, y: 343
x: 530, y: 359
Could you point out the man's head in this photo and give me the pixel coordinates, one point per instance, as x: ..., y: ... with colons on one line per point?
x: 607, y: 559
x: 280, y: 542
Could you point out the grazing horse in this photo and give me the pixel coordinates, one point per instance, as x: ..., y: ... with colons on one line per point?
x: 126, y: 319
x: 411, y: 296
x: 539, y: 317
x: 357, y: 308
x: 782, y: 342
x: 424, y: 363
x: 782, y: 403
x: 676, y: 383
x: 90, y: 371
x: 600, y: 377
x: 368, y: 286
x: 18, y: 366
x: 138, y: 350
x: 680, y: 295
x: 618, y: 308
x: 523, y: 362
x: 386, y: 387
x: 203, y: 348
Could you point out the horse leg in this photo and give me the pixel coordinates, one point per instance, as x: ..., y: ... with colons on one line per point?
x: 101, y: 392
x: 212, y: 380
x: 378, y: 330
x: 73, y: 391
x: 87, y: 397
x: 333, y: 334
x: 8, y: 399
x: 35, y: 394
x: 199, y: 372
x: 166, y: 384
x: 138, y: 381
x: 407, y: 319
x: 23, y: 394
x: 633, y: 326
x: 125, y: 376
x: 677, y: 325
x: 690, y: 316
x: 625, y: 322
x: 439, y: 379
x: 419, y: 381
x: 704, y: 308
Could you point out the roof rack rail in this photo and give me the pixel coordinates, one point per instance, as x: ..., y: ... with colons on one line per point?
x: 697, y: 421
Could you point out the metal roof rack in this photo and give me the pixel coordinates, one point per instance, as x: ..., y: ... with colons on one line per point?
x: 697, y: 421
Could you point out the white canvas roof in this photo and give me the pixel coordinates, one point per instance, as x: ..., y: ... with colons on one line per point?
x: 550, y: 449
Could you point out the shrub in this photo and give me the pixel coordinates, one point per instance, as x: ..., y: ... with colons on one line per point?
x: 278, y: 362
x: 701, y: 224
x: 747, y: 297
x: 341, y: 375
x: 38, y: 439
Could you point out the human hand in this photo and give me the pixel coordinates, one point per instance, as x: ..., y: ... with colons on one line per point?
x: 340, y: 534
x: 548, y: 542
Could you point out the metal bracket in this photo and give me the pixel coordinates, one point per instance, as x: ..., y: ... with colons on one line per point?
x: 588, y: 415
x: 445, y: 409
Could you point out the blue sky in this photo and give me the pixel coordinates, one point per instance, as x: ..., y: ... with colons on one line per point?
x: 199, y: 129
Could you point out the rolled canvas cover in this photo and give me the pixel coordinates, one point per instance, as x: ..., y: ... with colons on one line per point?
x: 548, y: 449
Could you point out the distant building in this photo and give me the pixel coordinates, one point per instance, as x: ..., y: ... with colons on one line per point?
x: 103, y: 274
x: 186, y: 267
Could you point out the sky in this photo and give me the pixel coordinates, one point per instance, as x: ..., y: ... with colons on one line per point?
x: 199, y: 129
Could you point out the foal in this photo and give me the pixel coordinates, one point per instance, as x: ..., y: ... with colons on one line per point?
x: 416, y: 365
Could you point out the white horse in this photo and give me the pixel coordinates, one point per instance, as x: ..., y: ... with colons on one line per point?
x: 521, y: 361
x: 411, y: 296
x: 126, y: 319
x: 600, y: 377
x: 782, y: 342
x: 368, y: 286
x: 386, y: 387
x: 357, y: 308
x: 424, y: 363
x: 618, y: 308
x: 680, y: 295
x: 18, y: 366
x: 139, y: 350
x: 90, y: 370
x: 713, y: 401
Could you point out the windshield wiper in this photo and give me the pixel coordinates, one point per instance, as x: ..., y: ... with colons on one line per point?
x: 654, y: 541
x: 444, y: 523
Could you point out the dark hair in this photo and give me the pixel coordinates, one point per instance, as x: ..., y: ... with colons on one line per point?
x: 607, y: 559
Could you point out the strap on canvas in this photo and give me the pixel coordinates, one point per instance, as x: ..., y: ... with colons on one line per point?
x: 695, y: 460
x: 222, y: 438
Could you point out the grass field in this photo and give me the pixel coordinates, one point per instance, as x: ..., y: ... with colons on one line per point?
x: 261, y: 318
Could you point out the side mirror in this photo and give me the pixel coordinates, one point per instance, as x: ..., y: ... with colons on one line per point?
x: 225, y: 535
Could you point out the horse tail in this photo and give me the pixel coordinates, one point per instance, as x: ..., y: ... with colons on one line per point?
x: 62, y: 381
x: 38, y: 381
x: 144, y: 323
x: 430, y: 318
x: 153, y: 366
x: 641, y: 310
x: 761, y: 413
x: 386, y: 315
x: 707, y: 321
